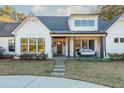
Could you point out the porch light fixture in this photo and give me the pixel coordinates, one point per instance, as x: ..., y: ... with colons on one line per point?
x: 59, y: 43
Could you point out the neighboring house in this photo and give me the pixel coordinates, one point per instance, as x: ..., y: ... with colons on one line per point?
x: 64, y: 35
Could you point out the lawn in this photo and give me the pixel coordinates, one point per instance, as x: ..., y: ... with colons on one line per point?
x: 22, y: 67
x: 105, y: 73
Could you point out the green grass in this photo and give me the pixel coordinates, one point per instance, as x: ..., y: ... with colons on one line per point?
x: 23, y: 67
x: 110, y: 73
x: 92, y: 59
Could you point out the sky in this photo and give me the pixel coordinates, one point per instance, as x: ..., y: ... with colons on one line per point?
x: 54, y: 10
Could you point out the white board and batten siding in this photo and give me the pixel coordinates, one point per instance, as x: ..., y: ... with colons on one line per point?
x: 115, y: 31
x: 32, y: 27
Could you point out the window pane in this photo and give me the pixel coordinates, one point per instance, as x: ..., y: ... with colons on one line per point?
x: 122, y: 40
x: 84, y: 44
x: 41, y: 48
x: 78, y: 44
x: 32, y: 44
x: 116, y: 40
x: 24, y: 48
x: 41, y: 45
x: 11, y: 45
x: 91, y: 22
x: 24, y: 41
x: 32, y: 48
x: 91, y: 44
x: 84, y: 22
x: 77, y: 22
x: 24, y: 44
x: 32, y: 41
x: 40, y: 41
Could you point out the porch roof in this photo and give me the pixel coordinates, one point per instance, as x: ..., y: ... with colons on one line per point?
x: 77, y: 32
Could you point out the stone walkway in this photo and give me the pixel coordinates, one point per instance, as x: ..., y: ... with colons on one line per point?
x: 59, y: 69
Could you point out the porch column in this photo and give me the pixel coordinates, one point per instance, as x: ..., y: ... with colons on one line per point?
x: 74, y: 46
x: 102, y: 46
x: 68, y: 39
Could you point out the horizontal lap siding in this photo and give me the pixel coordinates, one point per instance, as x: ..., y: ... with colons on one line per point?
x: 4, y: 42
x: 115, y: 31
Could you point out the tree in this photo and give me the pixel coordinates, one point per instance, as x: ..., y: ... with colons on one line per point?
x: 11, y: 12
x: 107, y: 12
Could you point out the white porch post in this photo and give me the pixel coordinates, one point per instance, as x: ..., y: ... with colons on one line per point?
x: 102, y: 47
x: 17, y: 46
x: 71, y: 47
x: 68, y: 46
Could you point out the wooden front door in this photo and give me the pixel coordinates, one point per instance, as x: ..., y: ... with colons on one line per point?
x: 59, y: 48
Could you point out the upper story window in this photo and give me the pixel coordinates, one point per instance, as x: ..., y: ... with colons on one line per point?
x: 91, y: 22
x: 84, y: 22
x: 77, y: 22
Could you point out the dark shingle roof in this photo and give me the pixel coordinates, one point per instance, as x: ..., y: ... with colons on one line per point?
x: 7, y: 28
x: 104, y: 25
x: 57, y: 24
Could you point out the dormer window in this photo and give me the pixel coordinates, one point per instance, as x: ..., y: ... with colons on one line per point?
x: 91, y: 22
x: 77, y: 22
x: 84, y: 22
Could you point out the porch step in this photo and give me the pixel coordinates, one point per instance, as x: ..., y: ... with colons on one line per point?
x: 59, y: 66
x: 59, y: 74
x: 59, y: 70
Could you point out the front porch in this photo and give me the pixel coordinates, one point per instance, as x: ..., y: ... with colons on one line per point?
x: 83, y: 45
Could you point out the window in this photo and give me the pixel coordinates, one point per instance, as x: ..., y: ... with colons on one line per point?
x: 77, y: 44
x: 24, y: 44
x: 77, y: 22
x: 116, y: 40
x: 32, y: 44
x: 88, y: 44
x: 41, y: 45
x: 91, y: 44
x: 84, y: 22
x: 121, y: 40
x: 91, y: 23
x: 11, y: 45
x: 84, y: 44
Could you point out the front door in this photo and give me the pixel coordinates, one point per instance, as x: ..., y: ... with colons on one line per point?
x: 59, y: 48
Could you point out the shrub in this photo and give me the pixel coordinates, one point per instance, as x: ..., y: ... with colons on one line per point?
x: 29, y: 56
x: 3, y: 55
x: 92, y: 59
x: 115, y: 56
x: 122, y: 56
x: 43, y: 56
x: 2, y: 51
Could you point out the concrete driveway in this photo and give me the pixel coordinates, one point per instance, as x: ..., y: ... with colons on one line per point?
x: 43, y: 82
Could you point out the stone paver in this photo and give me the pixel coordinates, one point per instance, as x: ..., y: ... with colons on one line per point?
x: 43, y: 82
x: 59, y: 69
